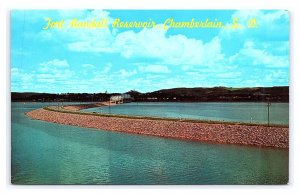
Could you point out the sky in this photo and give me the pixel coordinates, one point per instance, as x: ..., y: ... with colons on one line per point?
x: 70, y: 60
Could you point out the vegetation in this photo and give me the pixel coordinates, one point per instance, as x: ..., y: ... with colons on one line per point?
x: 219, y: 94
x: 198, y: 94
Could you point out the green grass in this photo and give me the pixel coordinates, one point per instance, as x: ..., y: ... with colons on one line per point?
x: 160, y: 118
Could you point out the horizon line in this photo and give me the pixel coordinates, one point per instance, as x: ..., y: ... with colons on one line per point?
x: 152, y: 91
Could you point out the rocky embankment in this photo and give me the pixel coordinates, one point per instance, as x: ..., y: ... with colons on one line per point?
x: 195, y: 131
x: 86, y: 106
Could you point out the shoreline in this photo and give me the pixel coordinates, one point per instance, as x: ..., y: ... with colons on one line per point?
x: 252, y: 135
x: 77, y: 107
x: 78, y: 111
x: 212, y: 101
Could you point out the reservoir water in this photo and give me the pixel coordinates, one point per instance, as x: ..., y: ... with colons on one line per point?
x: 48, y: 153
x: 248, y: 112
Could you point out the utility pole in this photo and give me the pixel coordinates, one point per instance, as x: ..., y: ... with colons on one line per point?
x: 109, y: 105
x: 269, y: 105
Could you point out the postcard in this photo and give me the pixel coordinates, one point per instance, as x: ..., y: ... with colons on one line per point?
x: 149, y: 97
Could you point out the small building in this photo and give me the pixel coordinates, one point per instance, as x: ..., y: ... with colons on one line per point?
x: 120, y: 99
x: 117, y: 99
x: 126, y: 97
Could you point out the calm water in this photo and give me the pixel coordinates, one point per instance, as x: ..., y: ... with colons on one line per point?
x: 216, y: 111
x: 47, y: 153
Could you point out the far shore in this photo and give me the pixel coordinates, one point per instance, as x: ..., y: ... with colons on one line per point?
x: 243, y: 134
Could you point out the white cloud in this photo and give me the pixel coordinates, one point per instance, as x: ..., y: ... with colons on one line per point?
x: 150, y: 43
x: 100, y: 45
x: 107, y: 67
x: 54, y: 71
x: 250, y: 55
x: 172, y: 50
x: 155, y: 51
x: 146, y: 43
x: 177, y: 49
x: 20, y: 75
x: 229, y: 75
x: 54, y: 64
x: 262, y: 17
x: 125, y: 73
x: 90, y: 66
x: 154, y: 69
x: 82, y: 40
x: 14, y: 72
x: 21, y: 79
x: 276, y: 76
x: 269, y: 25
x: 69, y: 14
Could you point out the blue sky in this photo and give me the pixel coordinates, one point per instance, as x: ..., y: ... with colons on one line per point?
x: 119, y: 60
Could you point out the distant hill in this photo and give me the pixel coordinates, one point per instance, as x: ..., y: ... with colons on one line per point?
x: 198, y: 94
x: 280, y: 94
